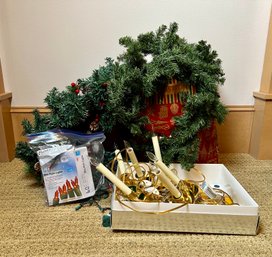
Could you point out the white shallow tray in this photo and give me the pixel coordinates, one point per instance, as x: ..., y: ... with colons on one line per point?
x: 194, y: 218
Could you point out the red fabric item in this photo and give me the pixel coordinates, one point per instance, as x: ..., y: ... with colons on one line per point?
x: 162, y: 108
x: 208, y: 149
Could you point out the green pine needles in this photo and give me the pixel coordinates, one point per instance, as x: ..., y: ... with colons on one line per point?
x: 114, y: 96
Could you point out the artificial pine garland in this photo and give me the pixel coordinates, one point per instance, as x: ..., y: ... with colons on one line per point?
x: 113, y: 98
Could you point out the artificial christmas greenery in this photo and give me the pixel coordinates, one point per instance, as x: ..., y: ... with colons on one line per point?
x: 113, y: 98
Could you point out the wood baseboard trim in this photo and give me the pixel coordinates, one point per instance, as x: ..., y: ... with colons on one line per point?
x: 43, y: 109
x: 241, y: 108
x: 233, y: 134
x: 28, y: 109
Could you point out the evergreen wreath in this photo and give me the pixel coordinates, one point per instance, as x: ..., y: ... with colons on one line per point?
x: 114, y: 97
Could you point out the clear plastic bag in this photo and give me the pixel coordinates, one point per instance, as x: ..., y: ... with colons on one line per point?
x: 57, y: 137
x: 62, y: 152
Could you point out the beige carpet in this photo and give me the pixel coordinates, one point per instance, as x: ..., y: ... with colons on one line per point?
x: 29, y: 228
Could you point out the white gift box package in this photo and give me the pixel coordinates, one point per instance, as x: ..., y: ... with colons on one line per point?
x: 67, y: 174
x: 241, y: 218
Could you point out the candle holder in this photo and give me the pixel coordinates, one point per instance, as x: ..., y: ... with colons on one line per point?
x: 157, y: 182
x: 135, y: 164
x: 96, y: 156
x: 173, y: 177
x: 190, y: 191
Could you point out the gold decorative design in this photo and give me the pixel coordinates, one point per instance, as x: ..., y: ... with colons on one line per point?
x: 173, y: 93
x: 163, y: 113
x: 174, y: 108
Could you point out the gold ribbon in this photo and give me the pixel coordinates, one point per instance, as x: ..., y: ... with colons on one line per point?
x: 149, y: 212
x: 191, y: 192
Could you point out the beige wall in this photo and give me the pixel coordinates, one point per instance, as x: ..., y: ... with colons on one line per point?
x: 50, y: 43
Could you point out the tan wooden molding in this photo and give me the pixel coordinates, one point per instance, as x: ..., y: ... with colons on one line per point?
x: 4, y: 96
x: 2, y: 88
x: 263, y: 96
x: 29, y: 109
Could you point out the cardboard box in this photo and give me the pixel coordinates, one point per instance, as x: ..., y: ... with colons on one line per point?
x: 68, y: 176
x: 240, y: 219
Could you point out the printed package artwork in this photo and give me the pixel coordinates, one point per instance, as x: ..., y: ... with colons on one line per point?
x: 68, y: 176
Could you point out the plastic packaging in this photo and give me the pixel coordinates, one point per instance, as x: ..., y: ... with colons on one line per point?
x: 61, y: 155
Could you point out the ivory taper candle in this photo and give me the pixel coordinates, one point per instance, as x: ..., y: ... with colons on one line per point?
x: 116, y: 181
x: 134, y: 161
x: 169, y: 173
x: 168, y: 184
x: 156, y: 147
x: 120, y: 162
